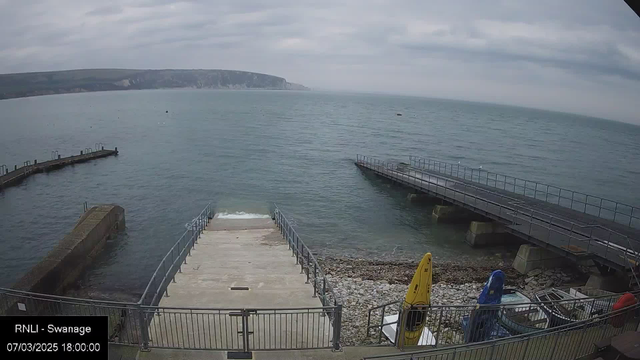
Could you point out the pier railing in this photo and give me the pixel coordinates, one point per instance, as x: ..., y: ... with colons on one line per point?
x: 231, y: 329
x: 573, y: 238
x: 11, y: 177
x: 309, y: 266
x: 588, y: 204
x: 307, y: 261
x: 243, y: 330
x: 459, y: 324
x: 175, y: 258
x: 567, y: 342
x: 147, y: 325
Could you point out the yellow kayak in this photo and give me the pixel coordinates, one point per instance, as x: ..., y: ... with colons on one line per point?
x: 419, y: 294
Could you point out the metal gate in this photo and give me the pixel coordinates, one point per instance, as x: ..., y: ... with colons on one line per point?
x: 243, y: 330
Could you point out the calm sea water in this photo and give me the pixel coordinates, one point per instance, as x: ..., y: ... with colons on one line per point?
x: 242, y: 150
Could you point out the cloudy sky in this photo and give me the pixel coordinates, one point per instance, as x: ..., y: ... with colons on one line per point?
x: 579, y: 56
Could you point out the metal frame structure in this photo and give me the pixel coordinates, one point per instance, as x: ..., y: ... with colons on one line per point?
x: 587, y: 204
x: 567, y: 342
x: 445, y: 321
x: 559, y: 234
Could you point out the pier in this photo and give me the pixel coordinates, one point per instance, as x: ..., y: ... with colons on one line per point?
x: 12, y: 178
x: 240, y: 285
x: 568, y: 223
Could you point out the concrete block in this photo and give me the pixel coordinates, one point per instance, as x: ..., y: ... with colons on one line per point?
x: 486, y: 233
x: 531, y: 257
x: 451, y: 213
x: 478, y: 227
x: 65, y: 263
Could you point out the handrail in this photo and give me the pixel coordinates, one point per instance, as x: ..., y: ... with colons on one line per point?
x: 539, y: 333
x: 419, y: 160
x: 543, y: 217
x: 461, y: 309
x: 299, y: 249
x: 176, y: 255
x: 67, y: 299
x: 392, y: 167
x: 491, y: 177
x: 542, y: 214
x: 236, y: 309
x: 333, y: 309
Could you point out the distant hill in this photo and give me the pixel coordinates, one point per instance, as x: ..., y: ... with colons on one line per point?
x: 73, y: 81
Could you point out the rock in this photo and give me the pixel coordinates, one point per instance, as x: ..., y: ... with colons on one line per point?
x: 535, y: 272
x: 362, y: 284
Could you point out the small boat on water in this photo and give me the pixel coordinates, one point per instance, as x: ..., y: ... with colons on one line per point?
x: 523, y: 317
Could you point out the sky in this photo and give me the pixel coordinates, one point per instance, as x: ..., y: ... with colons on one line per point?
x: 580, y: 56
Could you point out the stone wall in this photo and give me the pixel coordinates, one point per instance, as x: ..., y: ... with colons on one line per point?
x: 65, y: 263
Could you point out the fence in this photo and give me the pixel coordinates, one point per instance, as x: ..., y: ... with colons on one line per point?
x: 306, y: 260
x: 587, y: 204
x: 148, y: 325
x: 460, y: 324
x: 542, y: 228
x: 125, y: 319
x: 243, y: 329
x: 174, y: 259
x: 309, y: 266
x: 567, y: 342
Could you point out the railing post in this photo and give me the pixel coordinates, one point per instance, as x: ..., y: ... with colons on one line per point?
x: 315, y: 279
x: 524, y: 353
x: 324, y: 290
x: 144, y: 330
x: 337, y: 325
x: 555, y: 345
x: 308, y: 258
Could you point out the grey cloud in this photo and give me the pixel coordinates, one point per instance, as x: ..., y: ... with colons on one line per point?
x: 588, y: 48
x: 106, y: 10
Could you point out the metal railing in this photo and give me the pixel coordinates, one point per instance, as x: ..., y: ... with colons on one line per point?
x: 125, y: 319
x: 147, y: 325
x: 28, y: 167
x: 309, y: 266
x: 243, y: 329
x: 175, y: 258
x: 307, y: 261
x: 587, y: 204
x: 534, y: 225
x: 457, y: 324
x: 567, y: 342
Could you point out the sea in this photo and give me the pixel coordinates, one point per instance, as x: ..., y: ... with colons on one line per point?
x: 246, y: 150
